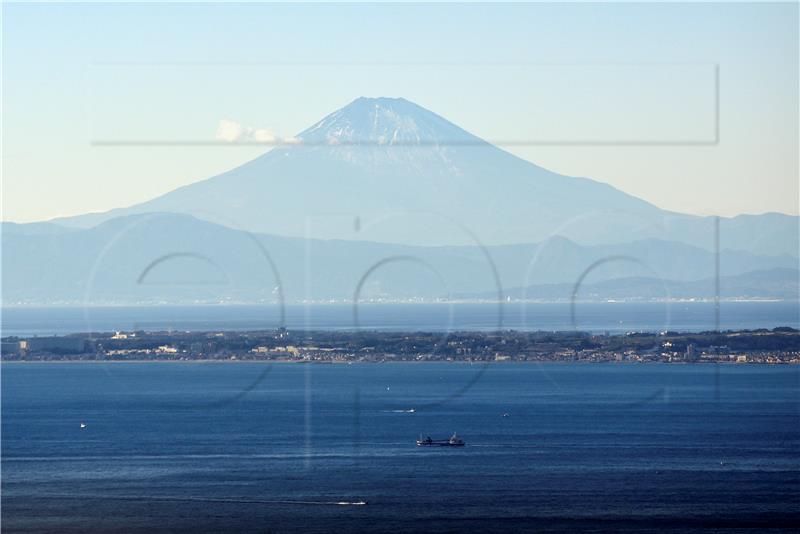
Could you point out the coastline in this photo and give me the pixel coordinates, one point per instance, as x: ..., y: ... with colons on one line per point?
x: 349, y: 303
x: 769, y: 346
x: 397, y: 362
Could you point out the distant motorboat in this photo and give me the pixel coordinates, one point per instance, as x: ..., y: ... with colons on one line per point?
x: 454, y: 441
x: 409, y: 410
x: 83, y: 425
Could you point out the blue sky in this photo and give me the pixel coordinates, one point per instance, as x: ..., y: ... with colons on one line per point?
x: 584, y: 84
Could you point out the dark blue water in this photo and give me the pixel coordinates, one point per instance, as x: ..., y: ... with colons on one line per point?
x: 259, y: 447
x: 595, y: 317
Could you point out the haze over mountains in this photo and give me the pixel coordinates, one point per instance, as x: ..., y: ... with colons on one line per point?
x: 177, y: 258
x: 387, y: 200
x: 409, y: 176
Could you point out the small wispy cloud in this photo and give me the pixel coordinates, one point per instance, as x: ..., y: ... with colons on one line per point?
x: 236, y: 132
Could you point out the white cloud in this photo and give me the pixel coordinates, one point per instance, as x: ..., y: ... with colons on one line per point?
x: 230, y: 131
x: 263, y: 136
x: 235, y: 132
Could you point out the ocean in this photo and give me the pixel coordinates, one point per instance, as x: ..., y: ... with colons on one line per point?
x: 613, y: 317
x: 186, y: 447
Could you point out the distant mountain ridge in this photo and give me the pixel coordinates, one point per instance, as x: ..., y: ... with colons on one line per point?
x: 388, y: 170
x: 174, y: 258
x: 385, y: 200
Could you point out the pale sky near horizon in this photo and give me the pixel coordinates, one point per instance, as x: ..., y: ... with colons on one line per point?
x: 622, y: 93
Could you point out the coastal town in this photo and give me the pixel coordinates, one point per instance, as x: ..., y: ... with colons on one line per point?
x: 776, y: 346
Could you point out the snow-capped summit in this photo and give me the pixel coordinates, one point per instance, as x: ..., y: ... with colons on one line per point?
x: 385, y: 121
x: 378, y: 133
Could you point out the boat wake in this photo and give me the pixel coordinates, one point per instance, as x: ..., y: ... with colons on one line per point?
x: 169, y: 498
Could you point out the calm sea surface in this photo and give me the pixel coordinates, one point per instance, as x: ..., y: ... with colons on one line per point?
x: 260, y: 447
x: 596, y: 317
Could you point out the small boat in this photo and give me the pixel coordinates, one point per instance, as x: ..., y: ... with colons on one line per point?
x: 83, y: 425
x: 454, y: 441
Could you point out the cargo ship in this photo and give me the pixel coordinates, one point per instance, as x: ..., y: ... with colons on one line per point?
x: 453, y: 441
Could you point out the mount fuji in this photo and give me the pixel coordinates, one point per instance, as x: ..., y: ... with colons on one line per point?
x: 387, y: 170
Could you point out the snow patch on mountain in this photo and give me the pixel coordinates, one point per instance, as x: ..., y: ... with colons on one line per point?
x: 380, y: 131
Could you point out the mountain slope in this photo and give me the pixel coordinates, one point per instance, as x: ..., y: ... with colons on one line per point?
x: 390, y: 171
